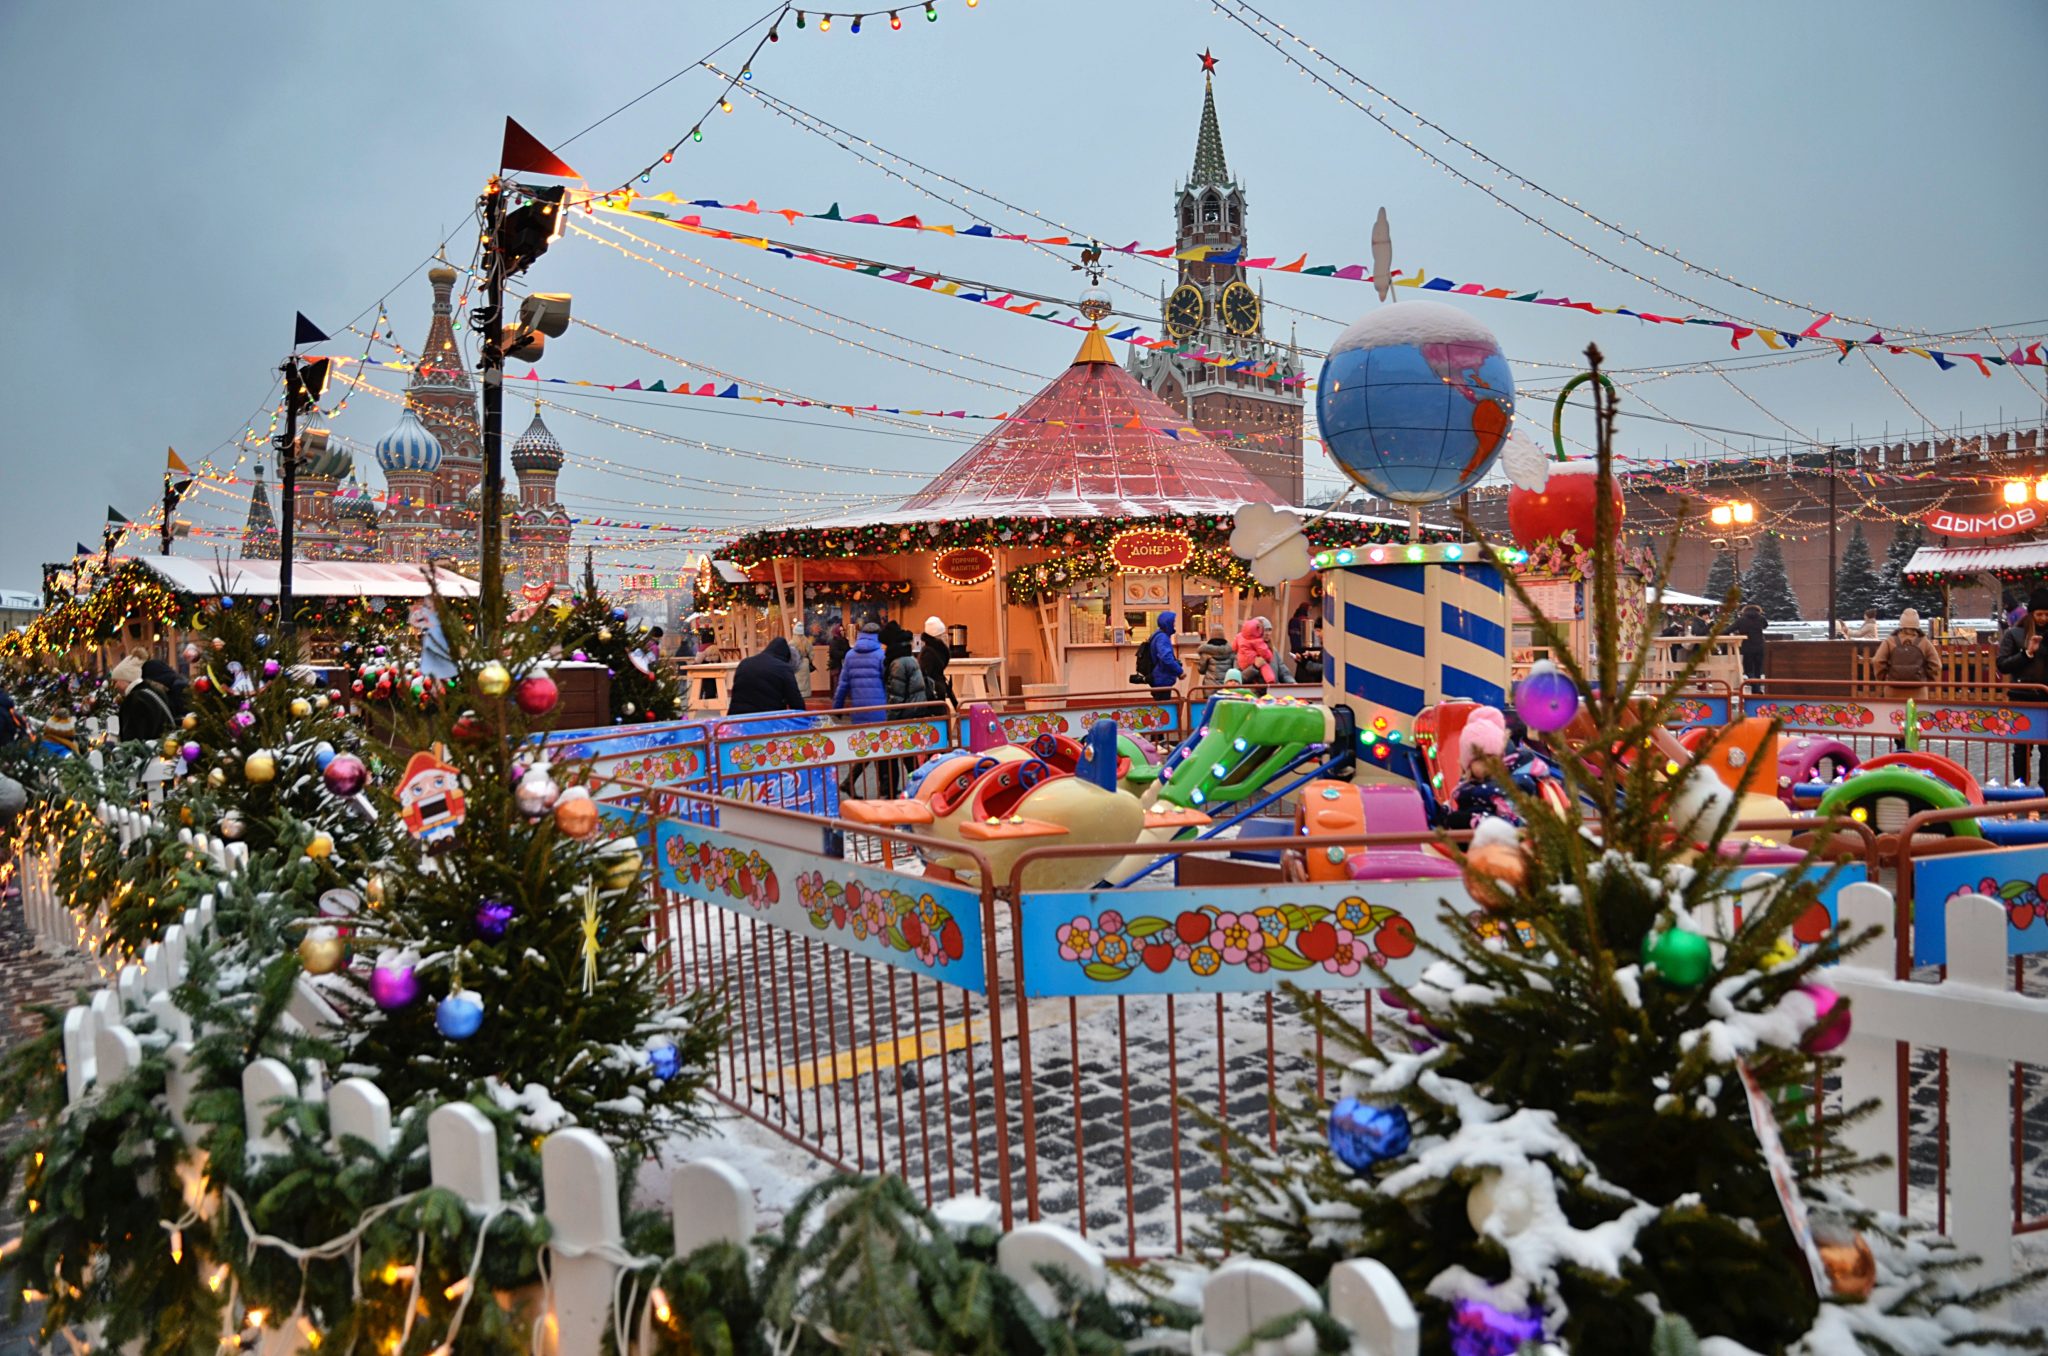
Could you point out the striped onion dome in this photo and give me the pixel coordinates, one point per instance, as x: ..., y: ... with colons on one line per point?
x: 331, y: 463
x: 409, y: 447
x: 537, y: 449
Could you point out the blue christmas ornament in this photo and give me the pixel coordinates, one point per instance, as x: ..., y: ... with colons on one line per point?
x: 618, y: 614
x: 323, y: 754
x: 459, y: 1015
x: 666, y: 1061
x: 262, y: 639
x: 226, y: 602
x: 1415, y: 401
x: 1362, y: 1135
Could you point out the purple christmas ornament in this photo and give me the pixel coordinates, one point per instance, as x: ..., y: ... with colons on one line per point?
x: 1479, y: 1329
x: 1546, y: 700
x: 242, y: 720
x: 345, y: 775
x: 492, y: 918
x: 271, y: 668
x: 393, y: 987
x: 190, y: 752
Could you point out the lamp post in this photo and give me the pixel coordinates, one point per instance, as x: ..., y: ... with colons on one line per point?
x: 303, y: 385
x: 1736, y: 513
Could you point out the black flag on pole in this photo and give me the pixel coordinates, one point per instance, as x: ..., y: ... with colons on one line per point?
x: 306, y: 332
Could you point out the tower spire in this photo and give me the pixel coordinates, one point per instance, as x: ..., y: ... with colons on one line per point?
x: 1210, y: 167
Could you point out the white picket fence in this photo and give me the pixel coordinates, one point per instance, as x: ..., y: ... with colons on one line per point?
x: 709, y: 1201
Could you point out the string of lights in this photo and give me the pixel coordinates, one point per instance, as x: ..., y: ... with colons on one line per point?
x: 613, y: 226
x: 1238, y: 11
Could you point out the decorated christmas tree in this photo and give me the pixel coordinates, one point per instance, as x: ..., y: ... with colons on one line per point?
x: 1591, y: 1113
x: 1900, y: 593
x: 1857, y: 585
x: 644, y: 689
x: 1766, y: 584
x: 1721, y: 575
x: 505, y: 950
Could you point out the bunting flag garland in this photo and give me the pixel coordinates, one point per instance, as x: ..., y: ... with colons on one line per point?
x: 940, y: 285
x: 2029, y: 355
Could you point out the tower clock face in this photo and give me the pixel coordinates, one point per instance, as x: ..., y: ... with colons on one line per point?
x: 1184, y: 310
x: 1240, y: 308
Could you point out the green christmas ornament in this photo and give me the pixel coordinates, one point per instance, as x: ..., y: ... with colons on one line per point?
x: 1681, y: 958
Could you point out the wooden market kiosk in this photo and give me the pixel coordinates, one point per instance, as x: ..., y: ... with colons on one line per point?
x: 1049, y: 549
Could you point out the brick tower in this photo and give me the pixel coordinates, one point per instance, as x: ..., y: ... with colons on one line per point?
x: 443, y: 394
x: 1213, y: 311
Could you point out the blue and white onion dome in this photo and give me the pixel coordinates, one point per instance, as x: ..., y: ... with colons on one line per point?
x: 409, y: 447
x: 537, y: 449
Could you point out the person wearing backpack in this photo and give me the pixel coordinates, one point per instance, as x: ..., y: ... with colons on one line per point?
x: 2023, y: 657
x: 1906, y: 662
x: 145, y: 712
x: 1157, y: 664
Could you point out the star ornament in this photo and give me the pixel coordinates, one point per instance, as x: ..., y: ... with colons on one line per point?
x: 1208, y: 62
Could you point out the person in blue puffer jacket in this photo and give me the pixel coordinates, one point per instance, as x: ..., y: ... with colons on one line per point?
x: 861, y: 681
x: 1166, y: 666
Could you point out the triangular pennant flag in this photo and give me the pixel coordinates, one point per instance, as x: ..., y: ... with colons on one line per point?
x: 524, y: 152
x: 633, y: 385
x: 658, y: 387
x: 115, y: 515
x: 830, y: 214
x: 730, y: 391
x: 305, y: 331
x: 175, y: 462
x: 83, y: 550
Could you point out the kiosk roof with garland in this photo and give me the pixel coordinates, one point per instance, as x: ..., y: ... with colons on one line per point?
x: 147, y: 600
x: 1050, y: 547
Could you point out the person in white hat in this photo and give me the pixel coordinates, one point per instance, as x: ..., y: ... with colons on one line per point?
x: 933, y: 658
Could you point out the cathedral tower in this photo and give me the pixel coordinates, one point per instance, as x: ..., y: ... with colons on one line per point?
x: 540, y: 527
x: 443, y: 394
x: 1213, y: 311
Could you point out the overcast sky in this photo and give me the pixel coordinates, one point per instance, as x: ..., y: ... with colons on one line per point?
x: 186, y: 176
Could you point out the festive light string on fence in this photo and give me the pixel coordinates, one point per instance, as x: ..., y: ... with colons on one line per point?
x: 1215, y: 254
x: 611, y: 225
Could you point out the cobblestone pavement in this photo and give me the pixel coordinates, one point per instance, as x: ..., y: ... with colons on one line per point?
x: 27, y: 978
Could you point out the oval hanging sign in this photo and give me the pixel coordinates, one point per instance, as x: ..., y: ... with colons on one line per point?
x: 1146, y: 550
x: 1999, y: 523
x: 966, y: 565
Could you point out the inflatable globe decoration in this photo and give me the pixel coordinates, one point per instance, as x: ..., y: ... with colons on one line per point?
x: 1415, y: 401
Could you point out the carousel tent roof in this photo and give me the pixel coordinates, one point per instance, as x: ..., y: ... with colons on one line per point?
x: 1967, y: 562
x: 310, y: 579
x: 1095, y: 442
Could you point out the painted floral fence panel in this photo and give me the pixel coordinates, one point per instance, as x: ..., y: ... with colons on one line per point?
x: 1145, y: 718
x: 1889, y: 718
x: 912, y: 924
x: 2016, y: 877
x: 827, y: 745
x: 1244, y: 939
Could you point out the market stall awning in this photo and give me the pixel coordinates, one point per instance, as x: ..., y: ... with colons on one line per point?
x: 2006, y: 560
x: 825, y: 572
x: 310, y: 579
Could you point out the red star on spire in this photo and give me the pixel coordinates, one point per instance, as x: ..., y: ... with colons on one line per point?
x: 1208, y: 62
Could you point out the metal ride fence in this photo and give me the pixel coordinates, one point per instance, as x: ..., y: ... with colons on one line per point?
x: 1975, y: 724
x: 1043, y: 1048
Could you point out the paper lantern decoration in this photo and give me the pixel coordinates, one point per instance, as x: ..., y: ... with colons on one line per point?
x: 260, y: 766
x: 1546, y: 699
x: 345, y: 775
x: 394, y: 986
x: 1362, y: 1135
x: 1414, y: 402
x: 537, y: 694
x: 322, y: 951
x: 1681, y: 958
x: 1830, y: 1019
x: 493, y: 680
x: 459, y: 1016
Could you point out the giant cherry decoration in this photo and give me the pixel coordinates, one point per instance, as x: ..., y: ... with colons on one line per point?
x: 1569, y: 501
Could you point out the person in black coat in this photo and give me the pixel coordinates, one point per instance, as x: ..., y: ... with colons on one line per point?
x: 174, y: 687
x: 1750, y: 626
x: 766, y: 682
x: 933, y: 659
x: 145, y: 712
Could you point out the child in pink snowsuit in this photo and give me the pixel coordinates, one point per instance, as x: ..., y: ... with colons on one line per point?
x: 1254, y: 653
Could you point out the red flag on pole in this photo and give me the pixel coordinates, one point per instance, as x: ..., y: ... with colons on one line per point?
x: 524, y: 152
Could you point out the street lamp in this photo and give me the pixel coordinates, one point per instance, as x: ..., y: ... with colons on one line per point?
x: 2018, y: 492
x: 1735, y: 514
